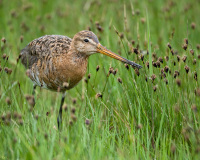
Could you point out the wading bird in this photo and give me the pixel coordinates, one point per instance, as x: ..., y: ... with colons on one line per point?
x: 58, y: 62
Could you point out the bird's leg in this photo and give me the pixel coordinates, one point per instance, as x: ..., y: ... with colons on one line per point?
x: 59, y: 118
x: 34, y: 87
x: 33, y: 93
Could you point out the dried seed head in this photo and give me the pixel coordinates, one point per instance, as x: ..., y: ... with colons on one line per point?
x: 160, y: 60
x: 86, y: 81
x: 147, y: 64
x: 87, y: 122
x: 3, y: 40
x: 8, y: 116
x: 192, y: 52
x: 119, y: 80
x: 74, y: 118
x: 73, y: 110
x: 166, y: 58
x: 194, y: 108
x: 172, y: 52
x: 8, y: 101
x: 133, y: 42
x: 74, y: 101
x: 139, y: 126
x: 185, y: 46
x: 70, y: 122
x: 142, y: 57
x: 166, y: 69
x: 47, y: 113
x: 36, y: 116
x: 184, y: 58
x: 166, y: 81
x: 155, y: 88
x: 198, y: 46
x: 4, y: 56
x: 135, y: 50
x: 111, y: 70
x: 65, y: 107
x: 21, y: 122
x: 187, y: 69
x: 99, y: 95
x: 195, y: 75
x: 146, y: 78
x: 127, y: 66
x: 193, y: 25
x: 46, y: 136
x: 178, y: 82
x: 3, y: 117
x: 15, y: 115
x: 154, y: 64
x: 97, y: 68
x: 137, y: 72
x: 178, y: 58
x: 194, y: 61
x: 169, y: 46
x: 21, y: 38
x: 143, y: 20
x: 30, y: 99
x: 186, y: 41
x: 153, y: 77
x: 121, y: 35
x: 114, y: 72
x: 198, y: 56
x: 197, y: 92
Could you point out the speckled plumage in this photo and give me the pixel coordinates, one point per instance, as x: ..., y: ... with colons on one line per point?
x: 58, y: 63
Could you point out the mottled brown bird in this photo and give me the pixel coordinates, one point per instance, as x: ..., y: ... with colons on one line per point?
x: 58, y: 62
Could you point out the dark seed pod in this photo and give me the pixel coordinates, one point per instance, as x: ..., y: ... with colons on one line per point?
x: 193, y: 25
x: 198, y: 46
x: 158, y: 63
x: 192, y: 52
x: 184, y: 58
x: 99, y: 95
x: 187, y: 69
x: 142, y: 57
x: 89, y: 75
x: 178, y: 82
x: 153, y: 77
x: 166, y: 69
x: 166, y: 58
x: 154, y: 88
x: 195, y: 75
x: 119, y: 80
x: 137, y: 72
x: 160, y: 59
x: 127, y: 66
x: 186, y: 41
x: 97, y: 68
x: 166, y: 81
x: 178, y: 58
x: 169, y: 46
x: 3, y: 40
x: 73, y: 110
x: 194, y: 61
x: 154, y: 64
x: 87, y: 122
x: 185, y: 46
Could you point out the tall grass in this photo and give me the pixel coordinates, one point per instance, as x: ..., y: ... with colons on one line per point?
x: 152, y: 114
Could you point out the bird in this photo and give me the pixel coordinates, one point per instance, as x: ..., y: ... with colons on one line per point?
x: 58, y: 63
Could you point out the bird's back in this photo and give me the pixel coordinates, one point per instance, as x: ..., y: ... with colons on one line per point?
x: 45, y: 46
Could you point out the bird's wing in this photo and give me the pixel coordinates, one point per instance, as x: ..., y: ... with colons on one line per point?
x: 46, y: 46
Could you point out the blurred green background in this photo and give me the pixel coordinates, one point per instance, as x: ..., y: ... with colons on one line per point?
x: 152, y: 114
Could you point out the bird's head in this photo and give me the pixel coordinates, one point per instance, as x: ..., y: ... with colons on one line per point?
x: 87, y: 43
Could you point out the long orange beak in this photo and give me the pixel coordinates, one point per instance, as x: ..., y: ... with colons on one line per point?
x: 103, y: 50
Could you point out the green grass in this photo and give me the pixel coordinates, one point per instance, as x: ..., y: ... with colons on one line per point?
x: 131, y: 121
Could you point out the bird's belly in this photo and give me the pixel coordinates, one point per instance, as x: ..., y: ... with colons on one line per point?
x: 57, y: 79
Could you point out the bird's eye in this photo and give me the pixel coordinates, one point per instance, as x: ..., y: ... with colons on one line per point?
x: 86, y: 40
